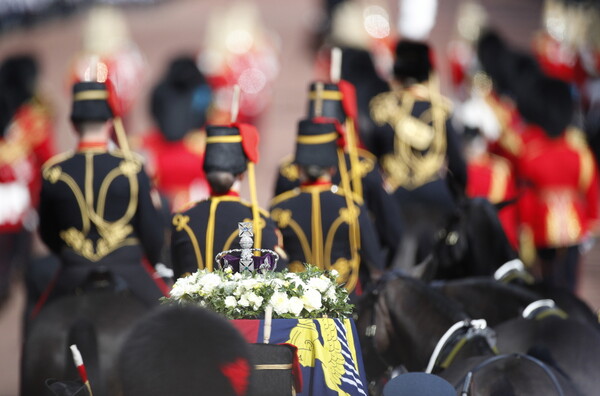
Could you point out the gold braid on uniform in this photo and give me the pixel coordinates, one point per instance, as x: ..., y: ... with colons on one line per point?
x: 113, y: 234
x: 419, y: 143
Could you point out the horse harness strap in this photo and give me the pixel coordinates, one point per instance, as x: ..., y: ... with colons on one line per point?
x: 455, y: 338
x: 468, y: 381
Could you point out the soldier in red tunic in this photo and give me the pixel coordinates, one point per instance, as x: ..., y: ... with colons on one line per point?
x: 559, y: 200
x: 25, y: 144
x: 175, y: 149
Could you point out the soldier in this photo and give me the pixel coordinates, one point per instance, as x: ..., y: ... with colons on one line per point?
x: 559, y: 202
x: 211, y: 226
x: 337, y: 103
x: 26, y: 142
x: 96, y: 211
x: 175, y: 149
x: 416, y: 144
x: 323, y: 224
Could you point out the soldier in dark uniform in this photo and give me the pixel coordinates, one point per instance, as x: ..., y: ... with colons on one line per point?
x: 323, y: 224
x: 211, y: 226
x: 96, y: 209
x: 416, y: 145
x: 337, y: 103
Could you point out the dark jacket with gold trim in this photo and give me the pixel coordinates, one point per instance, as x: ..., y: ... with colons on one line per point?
x: 96, y: 210
x: 417, y: 146
x: 314, y: 222
x: 193, y: 229
x: 381, y: 207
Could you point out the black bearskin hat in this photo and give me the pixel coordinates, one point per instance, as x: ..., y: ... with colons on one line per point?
x: 412, y: 61
x: 316, y: 144
x: 184, y: 350
x: 495, y: 59
x: 181, y: 100
x: 548, y: 105
x: 90, y: 102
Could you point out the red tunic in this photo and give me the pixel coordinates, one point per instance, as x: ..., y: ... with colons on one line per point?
x: 490, y: 176
x: 26, y: 145
x: 559, y: 203
x: 177, y: 167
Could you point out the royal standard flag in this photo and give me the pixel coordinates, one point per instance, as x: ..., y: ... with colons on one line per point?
x: 328, y: 352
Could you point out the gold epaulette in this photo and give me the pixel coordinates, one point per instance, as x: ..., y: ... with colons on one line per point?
x: 57, y: 159
x: 288, y: 169
x: 285, y: 196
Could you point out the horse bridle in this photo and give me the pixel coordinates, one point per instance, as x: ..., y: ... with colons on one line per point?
x: 457, y: 335
x: 468, y: 380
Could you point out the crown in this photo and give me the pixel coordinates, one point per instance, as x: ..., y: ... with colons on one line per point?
x: 243, y: 259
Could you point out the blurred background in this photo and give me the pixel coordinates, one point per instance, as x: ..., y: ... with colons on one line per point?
x: 268, y: 46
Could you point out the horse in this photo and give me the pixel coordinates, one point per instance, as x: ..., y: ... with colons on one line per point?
x: 404, y: 323
x: 484, y: 297
x: 470, y: 243
x: 497, y: 302
x: 97, y: 322
x: 570, y: 346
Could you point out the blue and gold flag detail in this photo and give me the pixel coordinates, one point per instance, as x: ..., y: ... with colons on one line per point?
x: 328, y: 352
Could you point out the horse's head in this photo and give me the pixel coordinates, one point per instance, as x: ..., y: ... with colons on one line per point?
x: 403, y: 322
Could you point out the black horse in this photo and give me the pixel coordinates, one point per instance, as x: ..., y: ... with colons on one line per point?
x: 572, y: 347
x: 96, y: 322
x: 497, y: 302
x: 470, y: 243
x: 402, y: 322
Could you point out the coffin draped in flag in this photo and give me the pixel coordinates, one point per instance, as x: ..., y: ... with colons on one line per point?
x: 328, y: 352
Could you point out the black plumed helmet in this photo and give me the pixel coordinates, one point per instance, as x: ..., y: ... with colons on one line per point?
x: 90, y: 102
x: 316, y: 144
x: 412, y: 61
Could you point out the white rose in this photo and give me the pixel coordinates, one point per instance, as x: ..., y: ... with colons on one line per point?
x: 318, y: 283
x: 330, y: 295
x: 280, y: 303
x: 334, y: 273
x: 229, y: 287
x: 230, y: 302
x: 209, y: 282
x: 255, y: 300
x: 296, y: 306
x: 244, y: 301
x: 312, y: 300
x: 183, y: 286
x: 249, y: 284
x: 237, y: 276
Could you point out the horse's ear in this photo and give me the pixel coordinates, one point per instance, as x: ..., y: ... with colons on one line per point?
x: 425, y: 270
